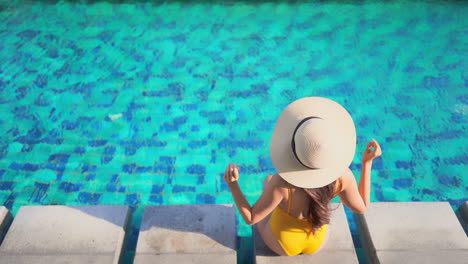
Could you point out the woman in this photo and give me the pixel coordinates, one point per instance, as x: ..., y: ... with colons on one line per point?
x: 312, y: 146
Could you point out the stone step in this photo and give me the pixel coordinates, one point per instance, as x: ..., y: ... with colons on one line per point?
x: 66, y: 234
x: 338, y: 249
x: 5, y: 220
x: 187, y: 234
x: 412, y: 232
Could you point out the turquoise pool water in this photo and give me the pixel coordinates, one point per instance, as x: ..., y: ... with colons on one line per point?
x: 145, y: 102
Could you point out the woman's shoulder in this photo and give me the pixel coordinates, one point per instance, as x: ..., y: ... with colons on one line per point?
x: 275, y: 181
x: 344, y: 180
x: 338, y: 186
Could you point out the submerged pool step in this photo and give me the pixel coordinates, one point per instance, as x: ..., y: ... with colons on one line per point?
x: 412, y: 232
x: 66, y: 234
x: 187, y: 234
x: 338, y: 249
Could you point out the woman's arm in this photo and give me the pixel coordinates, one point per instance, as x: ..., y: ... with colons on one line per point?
x: 364, y: 184
x: 270, y: 198
x: 358, y: 198
x: 372, y: 151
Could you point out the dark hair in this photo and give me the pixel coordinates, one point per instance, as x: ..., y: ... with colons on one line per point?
x: 319, y: 212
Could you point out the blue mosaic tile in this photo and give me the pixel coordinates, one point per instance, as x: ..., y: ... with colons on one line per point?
x: 90, y: 177
x: 458, y: 118
x: 156, y: 189
x: 15, y: 166
x: 106, y: 159
x: 432, y: 193
x: 39, y: 192
x: 10, y: 200
x: 31, y: 137
x: 213, y: 156
x: 42, y: 100
x: 384, y: 174
x: 436, y: 82
x: 377, y: 164
x: 67, y: 125
x: 265, y: 163
x: 457, y: 160
x: 200, y: 179
x: 174, y: 125
x: 60, y: 158
x: 14, y: 131
x: 449, y: 180
x: 28, y: 34
x: 114, y: 185
x: 69, y: 187
x: 216, y: 117
x: 27, y: 148
x: 448, y: 134
x: 41, y: 80
x: 6, y: 185
x: 109, y: 150
x: 196, y: 169
x: 130, y: 151
x: 247, y: 144
x: 181, y: 188
x: 111, y: 187
x: 402, y: 183
x: 143, y: 169
x: 157, y: 199
x: 89, y: 198
x: 129, y: 168
x: 30, y: 167
x: 355, y: 166
x: 463, y: 98
x: 378, y: 193
x: 197, y: 143
x: 205, y: 199
x: 88, y: 168
x: 132, y: 199
x: 404, y: 164
x: 114, y: 178
x: 165, y: 165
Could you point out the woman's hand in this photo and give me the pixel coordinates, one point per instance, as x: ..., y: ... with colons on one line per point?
x: 372, y: 151
x: 232, y: 173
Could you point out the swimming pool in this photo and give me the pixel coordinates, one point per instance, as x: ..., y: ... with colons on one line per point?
x: 141, y: 102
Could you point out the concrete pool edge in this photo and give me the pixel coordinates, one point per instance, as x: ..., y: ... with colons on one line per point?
x: 72, y: 234
x: 362, y: 221
x: 410, y: 231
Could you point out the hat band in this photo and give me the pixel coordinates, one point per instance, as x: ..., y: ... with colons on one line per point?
x: 293, y: 143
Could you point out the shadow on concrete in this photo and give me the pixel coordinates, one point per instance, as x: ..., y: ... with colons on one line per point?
x: 5, y: 224
x: 462, y: 215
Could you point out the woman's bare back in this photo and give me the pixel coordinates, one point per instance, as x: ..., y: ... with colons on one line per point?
x: 300, y: 199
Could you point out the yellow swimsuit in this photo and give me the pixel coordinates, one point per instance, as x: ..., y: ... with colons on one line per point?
x: 294, y: 234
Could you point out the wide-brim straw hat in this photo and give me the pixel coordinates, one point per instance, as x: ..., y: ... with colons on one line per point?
x: 313, y: 142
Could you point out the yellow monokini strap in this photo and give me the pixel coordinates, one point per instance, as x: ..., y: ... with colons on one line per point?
x: 294, y: 234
